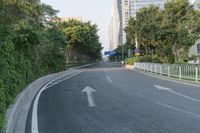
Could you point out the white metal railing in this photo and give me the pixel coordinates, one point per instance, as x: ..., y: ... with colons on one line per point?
x: 186, y: 72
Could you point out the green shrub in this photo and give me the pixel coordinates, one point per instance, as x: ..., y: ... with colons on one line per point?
x: 155, y: 59
x: 2, y: 105
x: 130, y: 61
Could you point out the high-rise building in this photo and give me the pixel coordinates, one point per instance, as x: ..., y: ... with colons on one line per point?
x: 119, y: 7
x: 125, y: 17
x: 135, y: 5
x: 114, y: 28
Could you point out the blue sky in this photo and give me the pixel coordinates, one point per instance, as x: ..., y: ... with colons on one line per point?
x: 97, y: 11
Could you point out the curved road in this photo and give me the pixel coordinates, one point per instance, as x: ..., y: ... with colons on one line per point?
x: 106, y: 98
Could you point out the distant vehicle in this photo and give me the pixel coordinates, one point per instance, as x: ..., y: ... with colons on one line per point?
x: 105, y: 60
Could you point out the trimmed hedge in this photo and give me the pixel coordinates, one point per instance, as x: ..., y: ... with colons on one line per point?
x: 153, y: 59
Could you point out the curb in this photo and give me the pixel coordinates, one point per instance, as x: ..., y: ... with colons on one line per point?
x: 17, y: 112
x: 82, y: 66
x: 129, y: 67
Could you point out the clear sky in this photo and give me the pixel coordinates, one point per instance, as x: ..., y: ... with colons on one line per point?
x: 96, y: 11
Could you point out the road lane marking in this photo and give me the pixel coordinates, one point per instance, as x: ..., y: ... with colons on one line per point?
x: 108, y: 78
x: 34, y: 123
x: 176, y: 93
x: 179, y: 110
x: 89, y: 91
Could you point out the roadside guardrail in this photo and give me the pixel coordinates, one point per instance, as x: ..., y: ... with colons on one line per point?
x: 182, y: 72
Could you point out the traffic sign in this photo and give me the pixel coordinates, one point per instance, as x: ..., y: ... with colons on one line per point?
x: 137, y: 50
x: 107, y: 52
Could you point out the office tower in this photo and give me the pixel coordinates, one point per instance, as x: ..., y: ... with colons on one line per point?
x: 114, y: 27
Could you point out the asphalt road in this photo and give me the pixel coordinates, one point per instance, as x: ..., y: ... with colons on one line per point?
x: 116, y: 100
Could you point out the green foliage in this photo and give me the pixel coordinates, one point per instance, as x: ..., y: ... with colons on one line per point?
x: 2, y: 105
x: 167, y: 33
x: 153, y: 59
x: 32, y: 46
x: 83, y: 40
x: 131, y: 61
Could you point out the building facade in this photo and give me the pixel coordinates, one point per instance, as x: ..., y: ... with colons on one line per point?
x: 125, y: 17
x: 114, y: 27
x: 135, y: 5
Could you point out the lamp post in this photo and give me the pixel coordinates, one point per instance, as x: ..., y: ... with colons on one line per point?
x: 122, y: 52
x: 136, y: 42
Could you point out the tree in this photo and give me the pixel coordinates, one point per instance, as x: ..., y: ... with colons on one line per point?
x: 167, y: 33
x: 177, y: 17
x: 83, y: 41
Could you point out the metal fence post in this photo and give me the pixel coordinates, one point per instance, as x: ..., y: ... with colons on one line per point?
x: 180, y: 76
x: 196, y: 73
x: 160, y: 69
x: 168, y: 68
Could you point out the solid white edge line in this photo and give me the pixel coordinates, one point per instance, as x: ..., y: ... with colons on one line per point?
x: 34, y: 123
x: 194, y: 115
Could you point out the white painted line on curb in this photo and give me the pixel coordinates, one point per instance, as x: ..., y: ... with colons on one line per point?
x: 108, y: 78
x: 180, y: 110
x: 34, y: 123
x: 176, y: 93
x: 89, y: 91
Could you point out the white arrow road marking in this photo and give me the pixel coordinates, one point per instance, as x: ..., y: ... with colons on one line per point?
x: 180, y: 110
x: 176, y: 93
x: 108, y: 78
x: 89, y: 91
x: 34, y: 123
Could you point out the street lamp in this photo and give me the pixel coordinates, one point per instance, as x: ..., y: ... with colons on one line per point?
x: 136, y: 42
x: 122, y: 52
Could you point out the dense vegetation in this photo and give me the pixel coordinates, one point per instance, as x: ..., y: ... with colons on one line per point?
x: 165, y: 35
x: 32, y: 46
